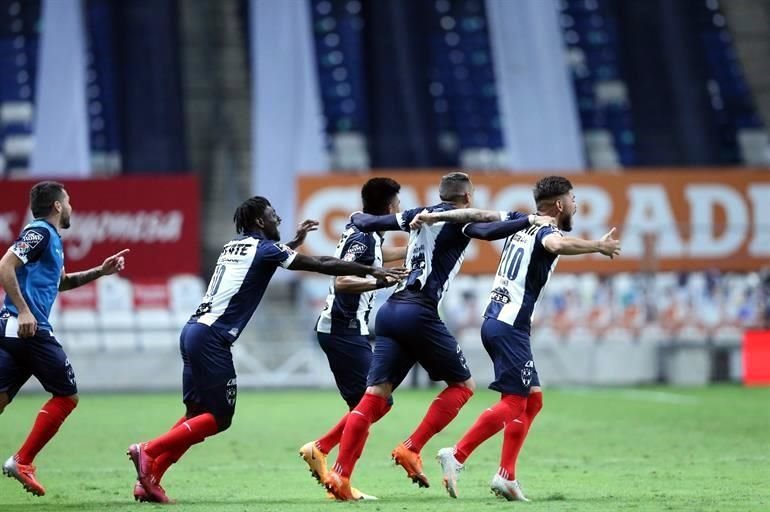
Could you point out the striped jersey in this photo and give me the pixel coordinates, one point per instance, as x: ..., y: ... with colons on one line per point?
x: 348, y: 313
x: 524, y: 269
x: 239, y: 281
x: 434, y: 256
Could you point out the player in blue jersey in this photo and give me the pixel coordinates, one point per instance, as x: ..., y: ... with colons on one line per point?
x: 527, y: 261
x: 32, y: 273
x: 342, y: 328
x: 240, y: 278
x: 409, y: 330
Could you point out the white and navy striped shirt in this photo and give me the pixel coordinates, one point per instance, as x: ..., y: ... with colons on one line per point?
x: 240, y: 279
x: 348, y: 313
x: 524, y: 269
x: 434, y: 254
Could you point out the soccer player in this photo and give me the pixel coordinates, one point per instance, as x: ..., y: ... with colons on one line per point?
x: 527, y: 261
x: 239, y: 281
x: 342, y: 328
x: 408, y: 330
x: 32, y: 273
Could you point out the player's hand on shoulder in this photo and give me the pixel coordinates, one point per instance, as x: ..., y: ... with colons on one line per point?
x: 543, y: 220
x: 608, y: 245
x: 114, y: 263
x: 424, y: 217
x: 27, y: 324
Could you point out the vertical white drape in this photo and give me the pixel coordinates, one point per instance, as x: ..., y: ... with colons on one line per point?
x: 537, y: 106
x: 61, y: 121
x: 287, y: 123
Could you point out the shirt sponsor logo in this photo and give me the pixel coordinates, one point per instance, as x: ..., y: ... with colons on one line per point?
x: 355, y: 250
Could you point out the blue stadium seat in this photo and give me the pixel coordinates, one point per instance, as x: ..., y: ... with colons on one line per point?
x: 590, y: 35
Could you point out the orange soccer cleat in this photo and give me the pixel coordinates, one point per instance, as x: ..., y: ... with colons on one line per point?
x: 339, y: 486
x: 25, y: 474
x: 316, y: 460
x: 412, y: 463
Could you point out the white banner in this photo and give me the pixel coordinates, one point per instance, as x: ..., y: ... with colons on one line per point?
x: 288, y: 132
x: 61, y: 135
x: 538, y: 112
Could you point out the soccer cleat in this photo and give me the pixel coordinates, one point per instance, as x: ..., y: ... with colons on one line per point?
x: 25, y: 474
x: 143, y: 464
x: 508, y: 489
x: 339, y: 486
x: 412, y: 463
x: 141, y: 495
x: 316, y: 459
x: 358, y: 495
x: 451, y: 468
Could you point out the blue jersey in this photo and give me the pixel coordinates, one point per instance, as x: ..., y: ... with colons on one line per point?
x: 240, y: 279
x: 524, y: 269
x: 40, y: 248
x: 348, y: 313
x: 434, y: 256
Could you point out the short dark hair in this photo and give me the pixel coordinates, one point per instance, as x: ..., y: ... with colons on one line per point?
x: 551, y: 187
x: 249, y: 210
x: 42, y: 197
x: 453, y: 186
x: 377, y: 194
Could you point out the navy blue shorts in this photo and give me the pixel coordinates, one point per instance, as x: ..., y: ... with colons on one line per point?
x: 350, y: 357
x: 208, y: 376
x: 42, y: 356
x: 511, y: 354
x: 410, y: 333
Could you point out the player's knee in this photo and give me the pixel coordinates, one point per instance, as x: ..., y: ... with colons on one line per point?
x: 383, y: 390
x: 470, y: 384
x: 223, y: 422
x: 534, y: 402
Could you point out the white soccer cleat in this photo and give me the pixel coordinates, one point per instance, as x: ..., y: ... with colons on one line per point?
x: 508, y: 489
x: 451, y: 468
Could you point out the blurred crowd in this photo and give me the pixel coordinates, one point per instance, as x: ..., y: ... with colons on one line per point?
x: 697, y: 306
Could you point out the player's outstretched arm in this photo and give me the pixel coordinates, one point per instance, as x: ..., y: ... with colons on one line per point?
x: 369, y: 223
x: 393, y: 254
x: 8, y: 265
x: 569, y: 246
x: 303, y: 229
x: 461, y: 216
x: 496, y: 230
x: 336, y: 267
x: 353, y: 284
x: 111, y: 265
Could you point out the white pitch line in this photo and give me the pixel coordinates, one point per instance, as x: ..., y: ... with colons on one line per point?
x: 661, y: 397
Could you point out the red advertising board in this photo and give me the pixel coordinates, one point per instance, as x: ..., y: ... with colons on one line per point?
x: 158, y: 218
x: 756, y: 358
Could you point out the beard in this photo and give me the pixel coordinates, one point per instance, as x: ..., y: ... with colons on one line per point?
x: 566, y: 224
x: 274, y: 235
x: 64, y: 222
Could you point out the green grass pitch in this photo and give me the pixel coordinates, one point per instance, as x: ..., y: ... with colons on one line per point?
x: 649, y: 449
